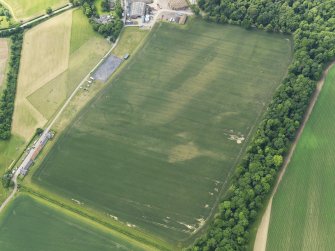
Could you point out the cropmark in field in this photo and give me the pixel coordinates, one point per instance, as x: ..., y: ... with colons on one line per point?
x: 156, y: 147
x: 302, y: 216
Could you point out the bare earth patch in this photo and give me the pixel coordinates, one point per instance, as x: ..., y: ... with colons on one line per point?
x: 183, y: 152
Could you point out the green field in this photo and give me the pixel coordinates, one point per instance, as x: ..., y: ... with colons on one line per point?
x: 98, y: 7
x: 130, y: 38
x: 23, y: 9
x: 29, y: 224
x: 302, y: 216
x: 4, y: 22
x: 157, y: 145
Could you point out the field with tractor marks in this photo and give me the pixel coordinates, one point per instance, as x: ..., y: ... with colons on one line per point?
x: 155, y: 148
x: 302, y: 216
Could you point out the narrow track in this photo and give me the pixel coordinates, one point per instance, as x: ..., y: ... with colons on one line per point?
x: 262, y: 232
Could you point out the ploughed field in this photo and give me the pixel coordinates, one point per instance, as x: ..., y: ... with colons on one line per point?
x: 155, y: 147
x: 29, y: 224
x: 302, y: 216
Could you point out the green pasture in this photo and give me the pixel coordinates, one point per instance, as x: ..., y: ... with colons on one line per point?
x: 24, y: 9
x: 156, y: 147
x: 29, y: 224
x: 302, y: 216
x: 97, y: 4
x: 130, y: 38
x: 4, y: 22
x: 81, y: 31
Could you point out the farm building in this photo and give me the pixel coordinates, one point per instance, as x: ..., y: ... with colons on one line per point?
x: 32, y: 154
x: 137, y: 9
x: 177, y: 4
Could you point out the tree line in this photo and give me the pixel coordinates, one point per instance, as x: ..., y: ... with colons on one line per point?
x: 312, y: 24
x: 8, y: 96
x: 111, y: 29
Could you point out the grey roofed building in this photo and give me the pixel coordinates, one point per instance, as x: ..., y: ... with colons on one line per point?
x: 177, y: 4
x: 137, y: 9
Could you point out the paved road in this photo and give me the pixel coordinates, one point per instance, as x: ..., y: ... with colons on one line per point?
x: 46, y: 131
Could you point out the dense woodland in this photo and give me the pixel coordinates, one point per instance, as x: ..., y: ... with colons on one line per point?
x: 312, y: 24
x: 112, y: 29
x: 8, y: 96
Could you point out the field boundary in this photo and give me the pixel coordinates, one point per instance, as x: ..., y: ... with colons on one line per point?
x: 261, y: 240
x: 79, y: 212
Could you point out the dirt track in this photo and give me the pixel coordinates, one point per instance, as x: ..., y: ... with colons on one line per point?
x: 262, y: 232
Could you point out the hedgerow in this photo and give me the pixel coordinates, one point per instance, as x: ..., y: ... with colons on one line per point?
x: 8, y: 96
x: 312, y: 24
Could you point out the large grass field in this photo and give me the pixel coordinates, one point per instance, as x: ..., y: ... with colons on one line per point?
x: 25, y: 9
x: 156, y: 147
x: 32, y: 225
x: 302, y: 216
x: 56, y: 56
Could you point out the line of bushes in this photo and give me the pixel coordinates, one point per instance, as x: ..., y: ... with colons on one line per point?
x: 8, y: 96
x: 112, y: 28
x: 312, y: 24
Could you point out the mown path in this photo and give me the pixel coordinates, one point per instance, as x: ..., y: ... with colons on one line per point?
x: 262, y: 232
